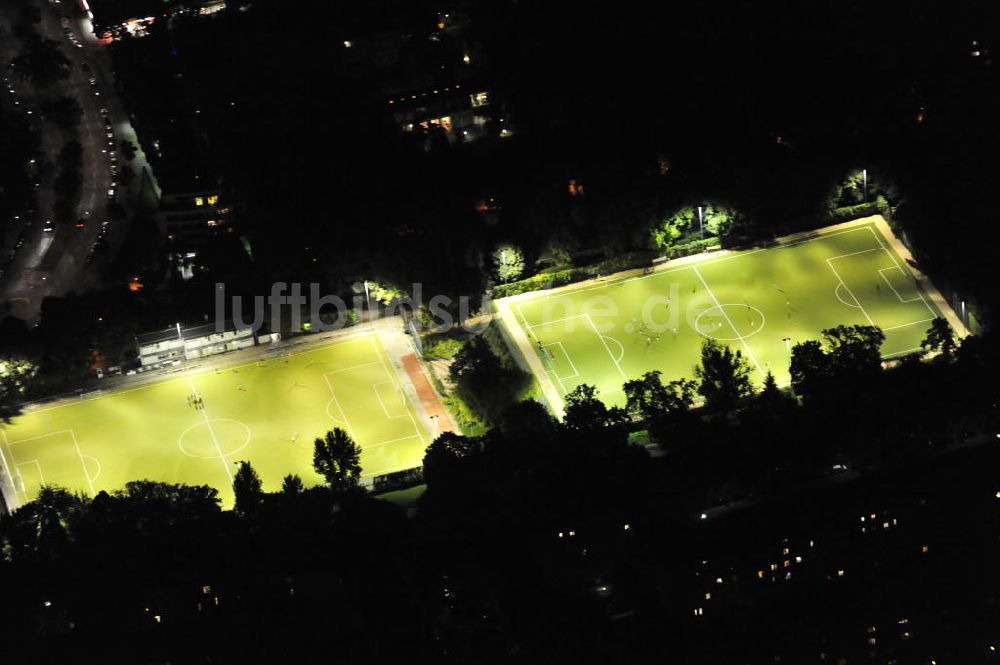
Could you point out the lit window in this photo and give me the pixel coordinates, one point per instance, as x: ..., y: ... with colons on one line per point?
x: 199, y: 201
x: 348, y: 43
x: 479, y: 99
x: 213, y: 199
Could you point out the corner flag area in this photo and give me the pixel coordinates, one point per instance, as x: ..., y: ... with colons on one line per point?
x: 760, y: 301
x: 194, y: 428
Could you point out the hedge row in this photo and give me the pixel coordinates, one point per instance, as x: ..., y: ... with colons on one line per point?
x: 552, y: 278
x: 689, y: 248
x: 541, y: 281
x: 626, y: 261
x: 877, y: 207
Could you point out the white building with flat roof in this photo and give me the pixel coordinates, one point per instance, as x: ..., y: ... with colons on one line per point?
x: 180, y: 343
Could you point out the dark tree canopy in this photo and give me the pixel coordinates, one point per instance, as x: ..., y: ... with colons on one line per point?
x: 40, y: 62
x: 247, y: 489
x: 842, y: 364
x: 337, y: 458
x: 585, y: 412
x: 723, y: 376
x: 940, y: 337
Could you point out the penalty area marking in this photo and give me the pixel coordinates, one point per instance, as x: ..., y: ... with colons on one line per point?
x: 86, y: 474
x: 385, y: 443
x: 76, y: 446
x: 836, y: 292
x: 565, y: 353
x: 606, y: 348
x: 381, y: 401
x: 621, y: 355
x: 840, y: 279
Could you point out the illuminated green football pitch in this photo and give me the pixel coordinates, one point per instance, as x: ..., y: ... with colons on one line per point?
x: 267, y: 412
x: 761, y: 302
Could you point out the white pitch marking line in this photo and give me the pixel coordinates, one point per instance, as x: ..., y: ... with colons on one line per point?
x: 395, y: 379
x: 901, y: 353
x: 35, y: 438
x: 555, y: 321
x: 38, y: 467
x: 86, y: 473
x: 881, y: 272
x: 552, y: 371
x: 383, y: 443
x: 658, y: 273
x: 347, y: 369
x: 565, y: 353
x: 844, y: 284
x: 863, y: 251
x: 3, y: 458
x: 598, y: 333
x: 906, y: 325
x: 621, y: 356
x: 204, y: 413
x: 336, y: 401
x: 892, y: 258
x: 99, y: 467
x: 381, y: 401
x: 836, y: 292
x: 735, y: 330
x: 530, y: 334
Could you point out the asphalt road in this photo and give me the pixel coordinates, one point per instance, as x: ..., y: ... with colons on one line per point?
x: 56, y: 263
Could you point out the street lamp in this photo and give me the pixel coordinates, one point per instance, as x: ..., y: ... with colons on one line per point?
x: 864, y: 181
x: 701, y: 222
x: 368, y: 305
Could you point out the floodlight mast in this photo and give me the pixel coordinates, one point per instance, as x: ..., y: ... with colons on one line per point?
x: 368, y: 305
x: 701, y: 222
x: 864, y: 181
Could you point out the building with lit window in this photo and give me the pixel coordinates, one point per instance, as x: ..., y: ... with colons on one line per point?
x: 119, y: 19
x: 187, y: 218
x: 430, y: 80
x: 187, y: 343
x: 462, y: 113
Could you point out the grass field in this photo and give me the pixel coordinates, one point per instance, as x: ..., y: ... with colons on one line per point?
x: 760, y: 301
x: 267, y: 412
